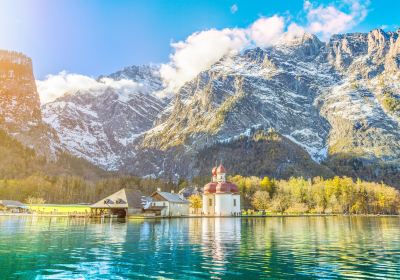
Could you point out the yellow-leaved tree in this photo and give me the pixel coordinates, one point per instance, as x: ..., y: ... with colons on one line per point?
x: 196, y: 202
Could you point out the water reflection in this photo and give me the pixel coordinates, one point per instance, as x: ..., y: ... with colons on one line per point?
x: 200, y: 248
x: 219, y: 238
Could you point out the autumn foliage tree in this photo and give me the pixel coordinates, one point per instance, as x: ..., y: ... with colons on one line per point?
x: 338, y: 195
x: 261, y: 200
x: 196, y: 202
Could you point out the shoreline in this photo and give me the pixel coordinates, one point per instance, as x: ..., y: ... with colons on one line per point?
x: 195, y: 216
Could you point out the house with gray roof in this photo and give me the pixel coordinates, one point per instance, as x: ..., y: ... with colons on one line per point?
x: 171, y: 204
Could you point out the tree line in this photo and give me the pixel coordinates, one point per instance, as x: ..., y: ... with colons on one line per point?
x: 341, y: 195
x: 74, y: 189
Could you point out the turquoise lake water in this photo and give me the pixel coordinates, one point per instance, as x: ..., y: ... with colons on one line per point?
x: 201, y: 248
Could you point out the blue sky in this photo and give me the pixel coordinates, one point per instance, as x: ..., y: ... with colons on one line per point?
x: 98, y: 37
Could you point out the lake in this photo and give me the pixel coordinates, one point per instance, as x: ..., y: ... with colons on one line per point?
x: 201, y: 248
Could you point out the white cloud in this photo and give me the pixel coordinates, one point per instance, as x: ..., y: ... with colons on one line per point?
x: 234, y: 8
x: 55, y: 86
x: 265, y: 32
x: 202, y: 49
x: 198, y: 52
x: 328, y: 20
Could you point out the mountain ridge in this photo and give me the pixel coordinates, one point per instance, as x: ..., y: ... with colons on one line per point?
x: 337, y: 101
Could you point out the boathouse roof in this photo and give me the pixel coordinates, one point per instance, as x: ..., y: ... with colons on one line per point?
x: 124, y: 198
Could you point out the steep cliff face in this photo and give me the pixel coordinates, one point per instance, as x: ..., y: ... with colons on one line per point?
x: 20, y: 113
x: 339, y: 101
x: 362, y: 125
x: 270, y: 88
x: 19, y: 100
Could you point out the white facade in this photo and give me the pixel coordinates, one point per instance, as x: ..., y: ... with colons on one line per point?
x: 208, y: 204
x: 221, y: 204
x: 173, y: 204
x: 220, y: 198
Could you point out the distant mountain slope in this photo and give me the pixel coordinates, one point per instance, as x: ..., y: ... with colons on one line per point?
x: 101, y: 125
x: 262, y: 154
x: 18, y: 161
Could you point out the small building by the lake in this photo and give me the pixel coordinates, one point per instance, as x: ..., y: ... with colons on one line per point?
x: 220, y: 197
x: 122, y: 203
x: 169, y: 204
x: 13, y: 206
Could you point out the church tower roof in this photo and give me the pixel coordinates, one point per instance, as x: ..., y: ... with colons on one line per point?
x: 221, y: 169
x: 220, y: 185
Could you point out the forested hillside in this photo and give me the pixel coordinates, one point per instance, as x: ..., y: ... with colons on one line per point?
x: 68, y: 180
x: 19, y: 161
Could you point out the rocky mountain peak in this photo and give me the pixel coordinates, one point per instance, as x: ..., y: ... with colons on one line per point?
x: 372, y: 52
x: 378, y: 42
x: 15, y: 66
x: 147, y: 75
x: 305, y: 44
x: 20, y: 113
x: 19, y: 99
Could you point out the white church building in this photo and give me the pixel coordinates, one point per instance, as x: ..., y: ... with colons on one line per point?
x: 220, y: 198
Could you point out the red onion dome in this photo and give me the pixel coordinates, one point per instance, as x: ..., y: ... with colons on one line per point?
x: 221, y: 169
x: 226, y: 187
x: 210, y: 187
x: 234, y: 188
x: 214, y: 171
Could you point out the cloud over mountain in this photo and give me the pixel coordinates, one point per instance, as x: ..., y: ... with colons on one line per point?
x: 55, y: 86
x: 325, y: 21
x: 201, y: 49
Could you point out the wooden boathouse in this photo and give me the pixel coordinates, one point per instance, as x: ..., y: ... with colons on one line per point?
x: 121, y: 204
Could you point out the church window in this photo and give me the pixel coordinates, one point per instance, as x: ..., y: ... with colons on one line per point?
x: 234, y: 202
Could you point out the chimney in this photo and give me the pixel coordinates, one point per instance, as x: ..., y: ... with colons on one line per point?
x: 158, y: 189
x: 172, y: 191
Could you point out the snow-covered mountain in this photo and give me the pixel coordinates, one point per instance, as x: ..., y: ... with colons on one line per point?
x: 326, y: 98
x: 335, y: 106
x: 101, y: 124
x: 340, y: 101
x: 268, y: 88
